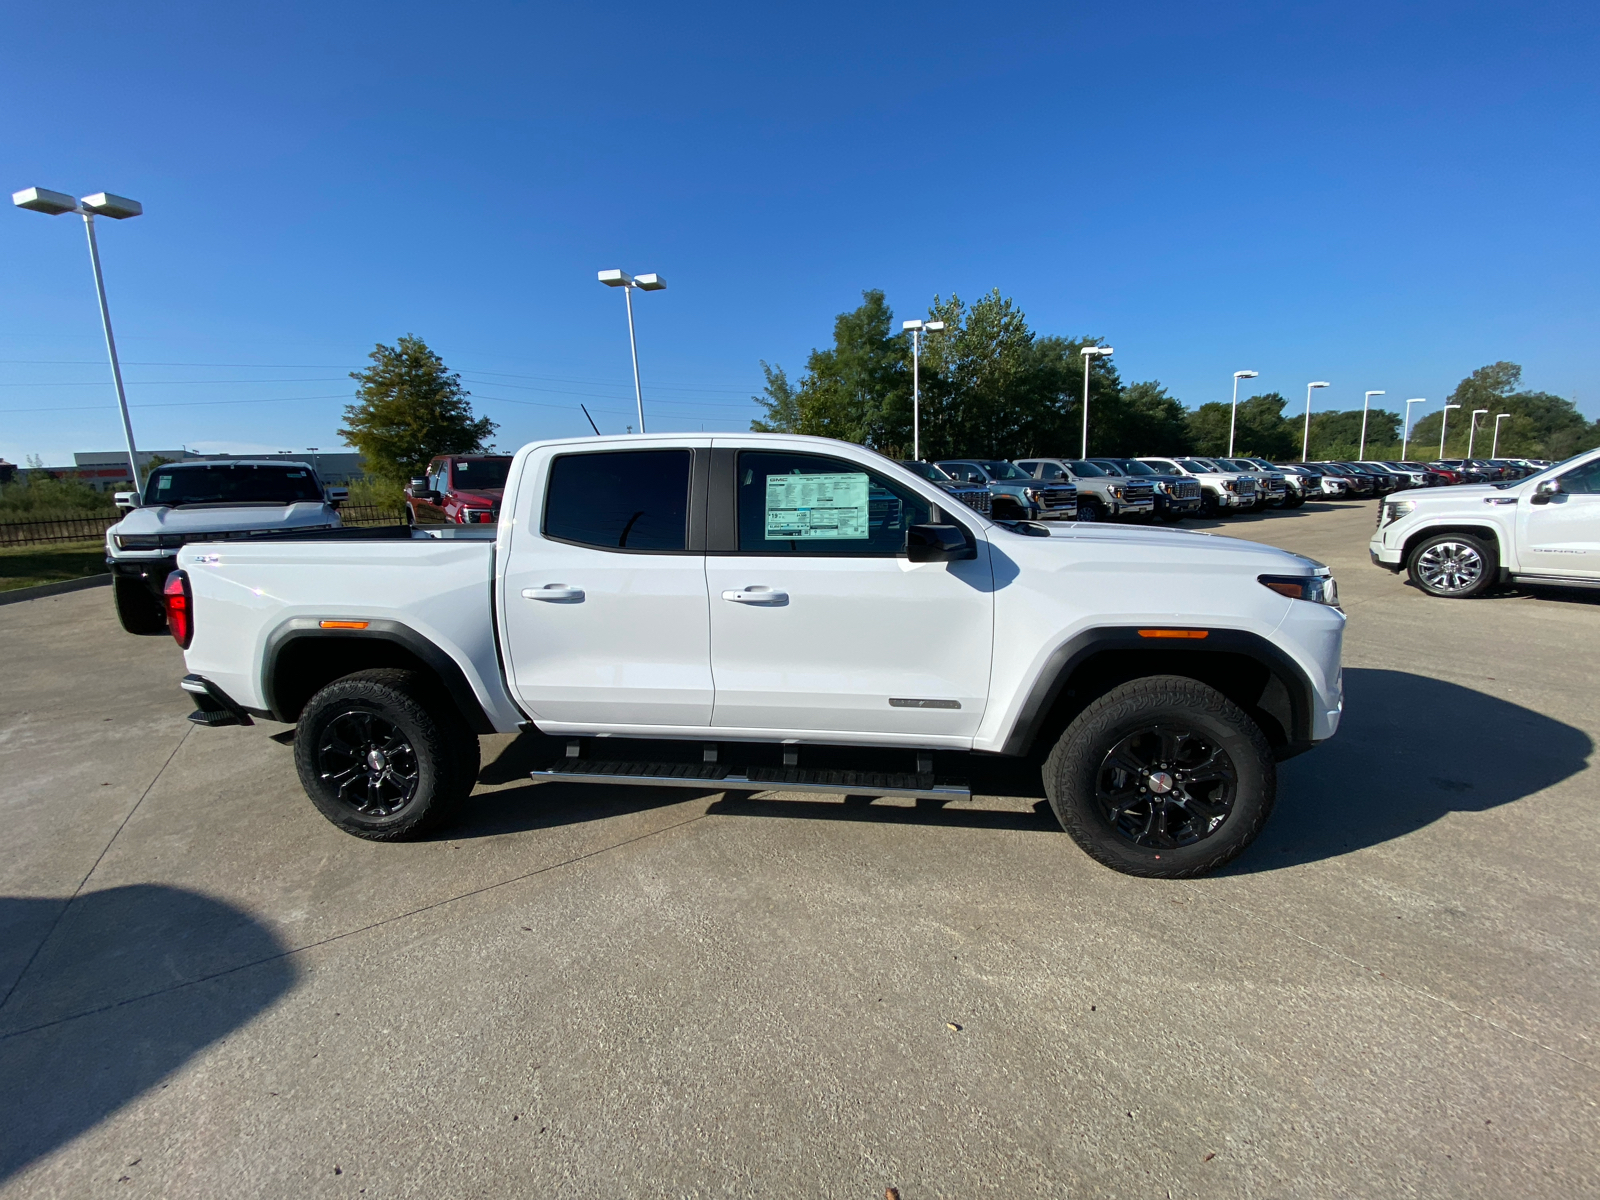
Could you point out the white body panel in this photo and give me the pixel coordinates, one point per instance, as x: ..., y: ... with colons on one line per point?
x: 653, y: 649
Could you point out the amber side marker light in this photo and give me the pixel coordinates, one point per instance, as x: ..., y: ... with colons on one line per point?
x: 343, y: 624
x: 1174, y: 633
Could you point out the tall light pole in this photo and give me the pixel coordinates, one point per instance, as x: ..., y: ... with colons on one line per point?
x: 917, y: 329
x: 1361, y: 451
x: 1089, y: 353
x: 1444, y: 421
x: 644, y: 283
x: 1233, y: 421
x: 1472, y: 430
x: 1494, y: 452
x: 1405, y: 436
x: 118, y: 208
x: 1305, y: 440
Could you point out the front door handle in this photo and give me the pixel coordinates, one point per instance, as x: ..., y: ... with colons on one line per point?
x: 757, y: 594
x: 553, y: 591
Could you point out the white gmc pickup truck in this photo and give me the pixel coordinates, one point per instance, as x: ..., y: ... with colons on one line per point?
x: 774, y: 613
x: 1458, y: 542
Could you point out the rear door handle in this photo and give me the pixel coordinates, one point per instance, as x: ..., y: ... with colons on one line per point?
x: 553, y: 591
x: 758, y: 594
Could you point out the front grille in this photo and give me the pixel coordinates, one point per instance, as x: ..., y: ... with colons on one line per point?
x: 1184, y: 489
x: 977, y: 499
x: 1058, y: 497
x: 1247, y: 487
x: 1138, y: 491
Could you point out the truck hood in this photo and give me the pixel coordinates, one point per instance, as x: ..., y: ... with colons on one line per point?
x: 225, y: 518
x: 1175, y: 545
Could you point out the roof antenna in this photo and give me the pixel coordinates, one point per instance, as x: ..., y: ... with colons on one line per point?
x: 592, y: 425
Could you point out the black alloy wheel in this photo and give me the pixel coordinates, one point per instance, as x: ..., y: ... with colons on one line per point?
x: 383, y: 756
x: 1088, y: 510
x: 368, y: 763
x: 1166, y: 786
x: 1163, y: 777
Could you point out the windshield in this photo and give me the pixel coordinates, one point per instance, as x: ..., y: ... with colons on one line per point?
x: 927, y: 471
x: 1110, y: 466
x: 1003, y: 470
x: 1237, y: 464
x: 233, y: 483
x: 1078, y: 467
x: 1132, y: 466
x: 482, y: 472
x: 1195, y: 465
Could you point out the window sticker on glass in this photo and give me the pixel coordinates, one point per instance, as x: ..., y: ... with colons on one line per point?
x: 817, y: 506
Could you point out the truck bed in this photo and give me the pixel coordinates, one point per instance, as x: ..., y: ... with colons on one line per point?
x: 437, y: 582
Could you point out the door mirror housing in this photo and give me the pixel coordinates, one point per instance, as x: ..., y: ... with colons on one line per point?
x: 126, y: 501
x: 938, y: 543
x: 1546, y: 491
x: 338, y: 496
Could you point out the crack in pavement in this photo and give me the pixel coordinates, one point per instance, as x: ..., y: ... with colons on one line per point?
x: 349, y: 933
x: 95, y: 866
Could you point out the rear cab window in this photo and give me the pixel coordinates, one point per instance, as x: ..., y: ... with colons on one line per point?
x: 620, y: 500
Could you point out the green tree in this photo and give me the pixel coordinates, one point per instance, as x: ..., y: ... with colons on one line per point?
x: 1143, y: 419
x: 859, y: 390
x: 1337, y: 435
x: 409, y: 409
x: 1262, y: 430
x: 1540, y: 425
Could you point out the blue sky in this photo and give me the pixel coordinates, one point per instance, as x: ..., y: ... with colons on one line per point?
x: 1382, y: 196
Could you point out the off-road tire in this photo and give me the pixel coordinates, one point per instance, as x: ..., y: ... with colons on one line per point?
x: 1076, y: 769
x: 1090, y: 511
x: 138, y: 610
x: 1469, y: 569
x: 1209, y: 508
x: 436, y: 753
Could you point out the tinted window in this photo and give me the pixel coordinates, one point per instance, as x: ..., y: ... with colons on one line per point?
x: 807, y: 504
x: 927, y: 470
x: 482, y: 473
x: 965, y: 472
x: 1195, y: 465
x: 1132, y: 466
x: 235, y: 483
x: 1108, y: 467
x: 1585, y: 481
x: 1086, y: 469
x: 1049, y: 471
x: 1004, y: 470
x: 624, y: 500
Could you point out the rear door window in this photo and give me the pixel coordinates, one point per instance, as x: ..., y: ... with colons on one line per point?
x: 620, y: 500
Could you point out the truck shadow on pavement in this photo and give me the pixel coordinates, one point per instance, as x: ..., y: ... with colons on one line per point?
x: 1410, y: 751
x: 126, y: 986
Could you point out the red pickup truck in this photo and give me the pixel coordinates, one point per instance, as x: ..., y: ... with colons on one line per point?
x: 459, y: 489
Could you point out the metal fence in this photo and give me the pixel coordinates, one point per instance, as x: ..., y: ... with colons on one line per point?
x: 44, y: 533
x: 93, y: 529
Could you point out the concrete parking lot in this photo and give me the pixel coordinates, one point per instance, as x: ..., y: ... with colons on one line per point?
x: 208, y: 990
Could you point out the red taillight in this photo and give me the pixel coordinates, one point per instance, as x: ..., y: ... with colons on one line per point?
x: 180, y: 608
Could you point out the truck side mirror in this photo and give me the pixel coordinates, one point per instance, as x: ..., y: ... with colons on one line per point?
x: 338, y: 496
x: 938, y: 543
x: 126, y: 501
x: 420, y: 490
x: 1546, y: 491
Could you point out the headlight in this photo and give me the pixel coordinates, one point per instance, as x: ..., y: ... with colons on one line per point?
x: 1230, y: 485
x: 1395, y: 509
x: 1116, y: 490
x: 1319, y: 589
x: 1161, y: 485
x: 1032, y: 494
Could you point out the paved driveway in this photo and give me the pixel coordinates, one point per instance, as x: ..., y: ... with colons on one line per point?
x: 630, y: 992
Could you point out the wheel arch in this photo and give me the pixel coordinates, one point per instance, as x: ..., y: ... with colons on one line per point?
x: 1484, y: 530
x: 1247, y: 668
x: 301, y: 657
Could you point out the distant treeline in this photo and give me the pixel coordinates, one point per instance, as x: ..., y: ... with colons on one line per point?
x: 993, y: 387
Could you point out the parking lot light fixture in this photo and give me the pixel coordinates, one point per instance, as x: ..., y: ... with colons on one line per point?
x: 1234, y: 419
x: 1361, y: 452
x: 1405, y: 431
x: 1495, y: 450
x: 1305, y: 440
x: 916, y: 329
x: 1089, y: 353
x: 628, y: 284
x: 1444, y: 422
x: 1472, y: 429
x: 117, y: 208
